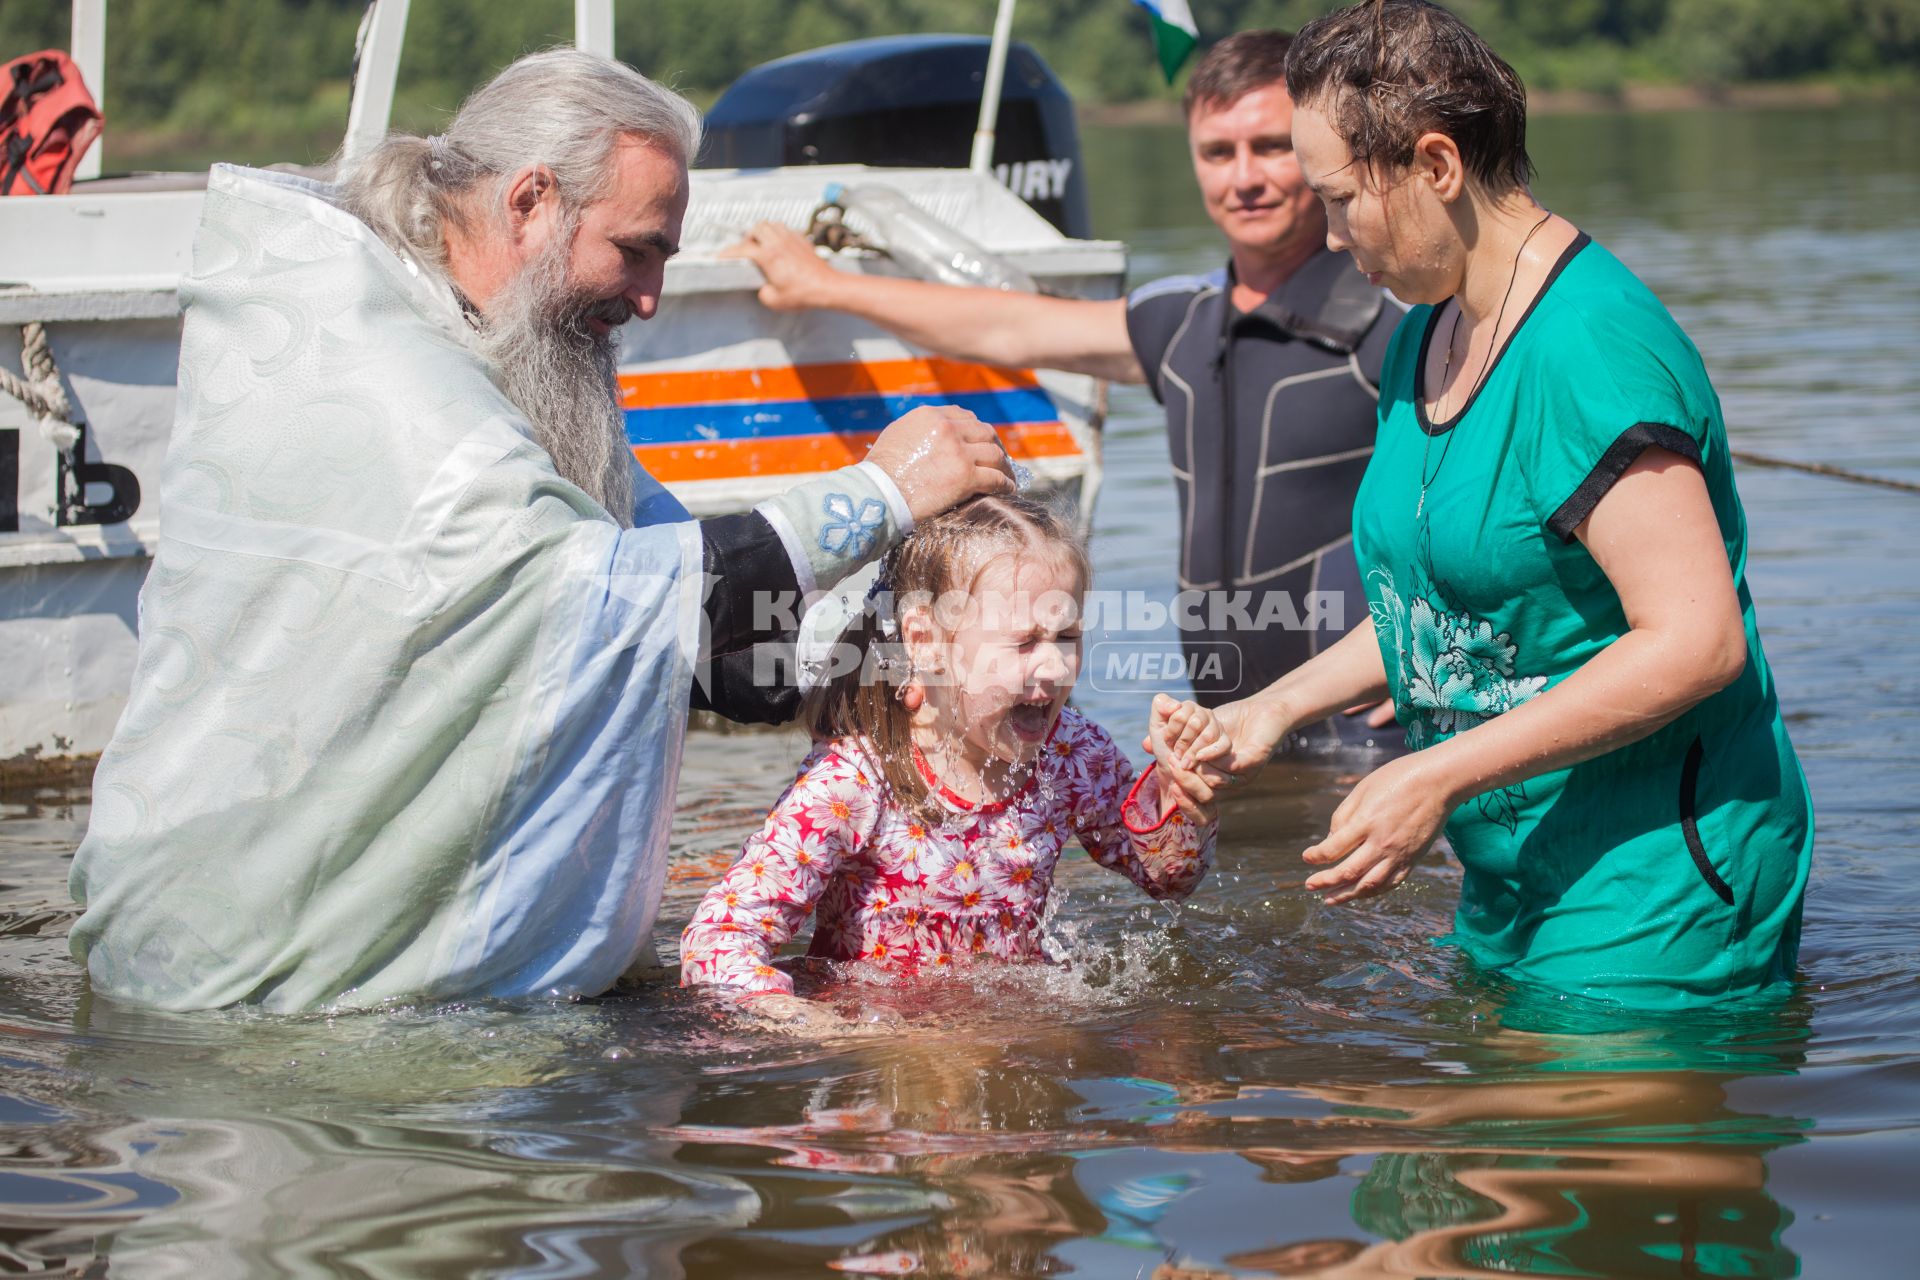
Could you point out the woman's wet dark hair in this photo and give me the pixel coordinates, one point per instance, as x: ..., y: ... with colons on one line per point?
x: 945, y: 553
x: 1387, y: 71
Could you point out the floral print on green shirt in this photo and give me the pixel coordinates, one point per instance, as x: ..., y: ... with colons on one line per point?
x: 1455, y: 672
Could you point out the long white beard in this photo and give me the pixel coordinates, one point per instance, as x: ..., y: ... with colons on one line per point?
x: 561, y: 374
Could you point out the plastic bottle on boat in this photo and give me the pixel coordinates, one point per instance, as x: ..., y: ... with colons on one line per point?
x: 925, y: 245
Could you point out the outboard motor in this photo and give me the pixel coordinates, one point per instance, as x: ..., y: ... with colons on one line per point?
x: 906, y: 102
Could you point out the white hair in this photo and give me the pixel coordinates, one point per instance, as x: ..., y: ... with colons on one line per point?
x: 564, y: 109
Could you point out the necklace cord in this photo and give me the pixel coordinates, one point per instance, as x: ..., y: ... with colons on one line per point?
x: 1499, y: 317
x: 1486, y: 362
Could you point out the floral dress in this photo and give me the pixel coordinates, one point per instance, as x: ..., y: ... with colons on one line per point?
x: 891, y: 890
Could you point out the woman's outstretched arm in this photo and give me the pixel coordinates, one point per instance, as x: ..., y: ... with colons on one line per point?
x: 1347, y: 672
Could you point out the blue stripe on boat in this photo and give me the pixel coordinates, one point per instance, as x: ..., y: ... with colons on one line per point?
x: 676, y: 424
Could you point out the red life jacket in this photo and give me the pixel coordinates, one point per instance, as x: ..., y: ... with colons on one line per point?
x: 47, y: 122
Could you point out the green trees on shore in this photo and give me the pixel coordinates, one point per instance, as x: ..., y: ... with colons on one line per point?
x: 216, y: 70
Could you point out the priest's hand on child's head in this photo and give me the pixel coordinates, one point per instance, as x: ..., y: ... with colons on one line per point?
x: 940, y: 456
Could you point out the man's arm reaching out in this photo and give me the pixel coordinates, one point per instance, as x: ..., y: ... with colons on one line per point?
x: 994, y: 326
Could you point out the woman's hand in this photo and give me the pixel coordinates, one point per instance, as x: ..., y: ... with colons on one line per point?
x: 1190, y: 732
x: 1380, y: 830
x: 1252, y: 728
x: 1187, y: 736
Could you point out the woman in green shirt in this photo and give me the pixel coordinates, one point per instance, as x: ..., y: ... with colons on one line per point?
x: 1554, y: 557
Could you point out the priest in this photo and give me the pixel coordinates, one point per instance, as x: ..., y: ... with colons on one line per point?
x: 418, y: 644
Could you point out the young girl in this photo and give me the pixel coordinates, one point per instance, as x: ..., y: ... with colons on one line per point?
x: 948, y: 773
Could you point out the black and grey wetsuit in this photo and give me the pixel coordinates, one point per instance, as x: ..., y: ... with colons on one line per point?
x: 1270, y: 423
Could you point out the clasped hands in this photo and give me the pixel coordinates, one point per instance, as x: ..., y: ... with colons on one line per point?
x: 1390, y: 818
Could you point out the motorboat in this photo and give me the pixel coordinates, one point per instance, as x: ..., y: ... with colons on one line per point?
x: 725, y: 401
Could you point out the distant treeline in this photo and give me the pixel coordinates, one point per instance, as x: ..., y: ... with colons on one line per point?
x: 224, y: 69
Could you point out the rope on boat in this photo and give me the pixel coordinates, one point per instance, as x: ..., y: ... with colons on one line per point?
x: 40, y: 390
x: 1822, y: 469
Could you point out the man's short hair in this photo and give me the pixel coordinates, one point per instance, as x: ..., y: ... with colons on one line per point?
x: 1237, y: 66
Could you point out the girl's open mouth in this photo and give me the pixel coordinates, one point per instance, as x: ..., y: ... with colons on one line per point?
x: 1030, y: 721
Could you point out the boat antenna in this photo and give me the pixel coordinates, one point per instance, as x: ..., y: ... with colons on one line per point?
x: 982, y: 159
x: 376, y: 65
x: 593, y: 26
x: 89, y: 52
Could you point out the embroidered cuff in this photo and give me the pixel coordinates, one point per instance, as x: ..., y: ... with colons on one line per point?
x: 896, y: 501
x: 833, y: 525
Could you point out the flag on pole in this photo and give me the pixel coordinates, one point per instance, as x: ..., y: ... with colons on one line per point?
x: 1174, y: 34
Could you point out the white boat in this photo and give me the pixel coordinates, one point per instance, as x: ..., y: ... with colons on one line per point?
x: 726, y: 402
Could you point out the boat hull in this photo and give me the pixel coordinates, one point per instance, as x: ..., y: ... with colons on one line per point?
x: 725, y: 401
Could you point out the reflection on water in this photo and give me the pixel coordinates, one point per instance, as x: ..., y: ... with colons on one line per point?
x: 1248, y: 1085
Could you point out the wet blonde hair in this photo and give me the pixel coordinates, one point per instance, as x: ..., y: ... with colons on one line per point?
x: 945, y: 553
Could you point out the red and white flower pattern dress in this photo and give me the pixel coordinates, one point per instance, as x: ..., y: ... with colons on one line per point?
x: 890, y: 890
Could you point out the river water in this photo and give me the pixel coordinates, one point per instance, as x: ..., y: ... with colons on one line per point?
x: 1250, y: 1085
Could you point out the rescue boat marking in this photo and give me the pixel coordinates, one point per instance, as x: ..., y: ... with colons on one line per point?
x: 710, y: 424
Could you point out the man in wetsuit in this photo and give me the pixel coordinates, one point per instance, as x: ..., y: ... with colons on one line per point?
x: 1268, y: 370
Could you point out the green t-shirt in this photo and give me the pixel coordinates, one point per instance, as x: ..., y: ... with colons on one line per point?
x: 1669, y: 871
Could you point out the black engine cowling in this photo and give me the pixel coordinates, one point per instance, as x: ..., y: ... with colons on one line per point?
x: 906, y: 102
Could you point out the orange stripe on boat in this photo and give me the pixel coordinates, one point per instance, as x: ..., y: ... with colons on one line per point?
x: 931, y: 376
x: 800, y: 455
